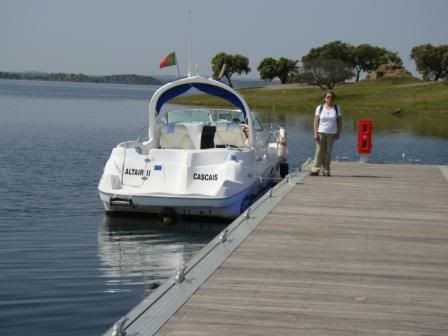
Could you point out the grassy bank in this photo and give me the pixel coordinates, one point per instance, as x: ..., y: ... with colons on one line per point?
x: 366, y: 97
x: 394, y: 104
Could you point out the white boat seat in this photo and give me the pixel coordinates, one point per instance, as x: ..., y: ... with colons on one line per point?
x: 229, y: 134
x: 175, y: 136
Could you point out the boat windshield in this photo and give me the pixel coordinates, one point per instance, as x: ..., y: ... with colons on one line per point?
x: 187, y: 116
x: 208, y: 116
x: 228, y: 115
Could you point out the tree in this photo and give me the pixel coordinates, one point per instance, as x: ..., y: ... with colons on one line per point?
x: 234, y: 64
x: 391, y: 57
x: 325, y: 73
x: 270, y: 68
x: 431, y: 61
x: 368, y: 58
x: 359, y: 58
x: 284, y: 67
x: 333, y: 50
x: 327, y: 65
x: 445, y: 64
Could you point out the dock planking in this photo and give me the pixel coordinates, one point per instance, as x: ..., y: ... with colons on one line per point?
x: 363, y: 252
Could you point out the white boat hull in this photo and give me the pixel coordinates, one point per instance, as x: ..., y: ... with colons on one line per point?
x: 215, y: 182
x: 229, y: 207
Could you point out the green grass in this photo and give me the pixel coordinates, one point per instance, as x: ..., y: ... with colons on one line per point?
x: 422, y: 106
x: 366, y: 97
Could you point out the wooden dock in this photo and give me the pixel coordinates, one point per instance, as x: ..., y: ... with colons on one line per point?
x: 363, y: 252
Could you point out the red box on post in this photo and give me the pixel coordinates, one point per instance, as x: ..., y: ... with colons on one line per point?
x: 365, y: 130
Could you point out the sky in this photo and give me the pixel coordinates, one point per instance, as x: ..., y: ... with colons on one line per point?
x: 103, y: 37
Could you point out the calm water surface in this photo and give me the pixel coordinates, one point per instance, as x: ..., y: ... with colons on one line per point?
x: 66, y: 268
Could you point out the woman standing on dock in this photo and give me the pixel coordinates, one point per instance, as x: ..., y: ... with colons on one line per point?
x: 327, y: 128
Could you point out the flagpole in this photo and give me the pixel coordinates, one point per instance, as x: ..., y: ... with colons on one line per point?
x: 178, y: 72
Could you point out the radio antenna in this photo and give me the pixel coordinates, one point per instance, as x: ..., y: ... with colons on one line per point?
x: 189, y: 43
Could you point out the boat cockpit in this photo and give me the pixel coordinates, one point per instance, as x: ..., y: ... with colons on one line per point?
x: 204, y: 129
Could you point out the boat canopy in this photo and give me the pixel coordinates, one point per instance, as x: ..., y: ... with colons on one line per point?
x: 213, y: 90
x: 207, y: 85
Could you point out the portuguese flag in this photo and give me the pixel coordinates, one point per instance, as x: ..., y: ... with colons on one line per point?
x: 169, y: 60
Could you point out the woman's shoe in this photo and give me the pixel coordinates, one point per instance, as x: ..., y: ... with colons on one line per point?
x: 314, y: 173
x: 327, y: 173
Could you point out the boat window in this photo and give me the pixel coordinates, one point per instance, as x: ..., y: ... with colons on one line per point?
x: 228, y: 115
x: 257, y: 123
x: 238, y: 117
x: 185, y: 116
x: 221, y: 115
x: 207, y: 116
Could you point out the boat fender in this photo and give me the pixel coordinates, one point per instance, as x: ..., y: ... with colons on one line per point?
x: 168, y: 216
x: 282, y: 145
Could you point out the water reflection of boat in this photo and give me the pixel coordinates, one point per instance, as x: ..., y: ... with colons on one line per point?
x: 141, y: 251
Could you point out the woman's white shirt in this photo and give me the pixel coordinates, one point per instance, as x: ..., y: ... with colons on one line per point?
x: 328, y: 120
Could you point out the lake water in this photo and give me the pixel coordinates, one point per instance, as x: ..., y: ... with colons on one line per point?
x: 66, y: 268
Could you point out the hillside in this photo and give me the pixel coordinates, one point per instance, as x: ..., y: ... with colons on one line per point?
x: 64, y: 77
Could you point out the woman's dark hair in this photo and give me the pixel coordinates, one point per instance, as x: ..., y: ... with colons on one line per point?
x: 330, y: 92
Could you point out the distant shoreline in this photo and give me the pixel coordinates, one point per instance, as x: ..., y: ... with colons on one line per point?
x: 81, y: 78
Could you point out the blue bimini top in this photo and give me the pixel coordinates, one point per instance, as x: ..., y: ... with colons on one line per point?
x: 206, y: 88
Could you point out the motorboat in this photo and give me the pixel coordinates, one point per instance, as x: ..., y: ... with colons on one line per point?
x: 195, y: 161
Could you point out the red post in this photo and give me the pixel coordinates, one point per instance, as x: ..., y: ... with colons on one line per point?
x: 365, y: 130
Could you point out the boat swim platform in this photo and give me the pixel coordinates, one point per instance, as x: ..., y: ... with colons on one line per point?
x: 363, y: 252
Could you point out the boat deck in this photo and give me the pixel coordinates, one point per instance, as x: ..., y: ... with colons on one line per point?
x: 364, y: 252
